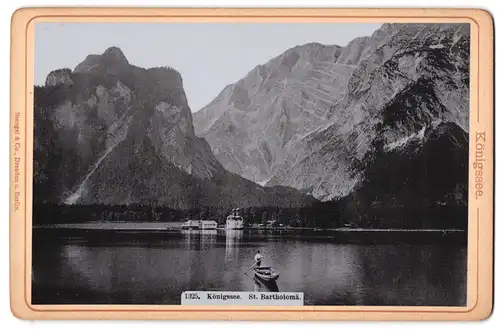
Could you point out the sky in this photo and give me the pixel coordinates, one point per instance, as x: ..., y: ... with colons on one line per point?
x: 209, y: 56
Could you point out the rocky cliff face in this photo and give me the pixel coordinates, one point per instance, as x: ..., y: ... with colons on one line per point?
x: 252, y: 124
x: 113, y: 133
x: 308, y: 118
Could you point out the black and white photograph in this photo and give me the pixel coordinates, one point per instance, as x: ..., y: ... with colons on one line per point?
x: 321, y: 160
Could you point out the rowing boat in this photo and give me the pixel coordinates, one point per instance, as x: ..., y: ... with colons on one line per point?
x: 266, y: 273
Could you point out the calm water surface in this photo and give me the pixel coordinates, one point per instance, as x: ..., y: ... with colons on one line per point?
x: 156, y: 270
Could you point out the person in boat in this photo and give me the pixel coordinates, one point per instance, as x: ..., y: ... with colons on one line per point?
x: 258, y: 258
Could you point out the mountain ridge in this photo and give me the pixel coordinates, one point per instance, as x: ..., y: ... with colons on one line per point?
x: 280, y: 133
x: 121, y: 134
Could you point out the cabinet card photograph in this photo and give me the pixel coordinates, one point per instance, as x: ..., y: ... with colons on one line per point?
x: 254, y: 164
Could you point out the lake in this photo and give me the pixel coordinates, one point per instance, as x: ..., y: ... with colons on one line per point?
x: 131, y: 267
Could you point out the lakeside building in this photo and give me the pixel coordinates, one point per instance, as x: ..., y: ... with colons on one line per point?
x: 234, y: 221
x: 199, y: 224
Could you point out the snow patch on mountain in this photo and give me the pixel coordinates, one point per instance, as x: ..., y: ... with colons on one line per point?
x: 402, y: 142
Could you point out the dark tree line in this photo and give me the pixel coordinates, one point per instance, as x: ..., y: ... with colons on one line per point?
x: 345, y: 213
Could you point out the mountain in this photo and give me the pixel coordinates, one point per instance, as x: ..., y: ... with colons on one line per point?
x: 419, y: 182
x: 109, y: 132
x: 309, y: 117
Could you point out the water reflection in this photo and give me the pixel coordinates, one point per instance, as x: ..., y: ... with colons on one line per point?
x: 198, y: 239
x: 133, y: 272
x: 328, y: 271
x: 233, y: 240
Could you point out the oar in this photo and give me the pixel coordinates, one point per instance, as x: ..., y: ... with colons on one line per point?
x: 250, y: 267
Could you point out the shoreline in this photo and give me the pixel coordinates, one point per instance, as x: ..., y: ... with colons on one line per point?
x: 109, y: 233
x: 176, y: 226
